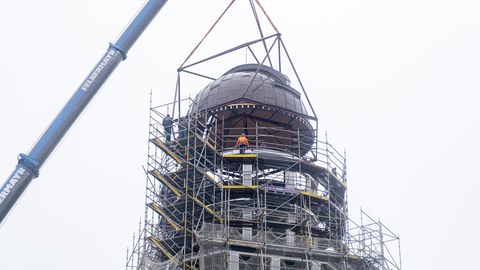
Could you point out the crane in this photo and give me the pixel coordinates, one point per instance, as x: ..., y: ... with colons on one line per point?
x: 29, y: 165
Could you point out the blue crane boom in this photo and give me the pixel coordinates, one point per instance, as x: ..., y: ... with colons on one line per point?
x: 29, y: 164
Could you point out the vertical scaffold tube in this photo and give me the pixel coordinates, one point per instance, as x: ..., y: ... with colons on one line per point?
x: 29, y: 165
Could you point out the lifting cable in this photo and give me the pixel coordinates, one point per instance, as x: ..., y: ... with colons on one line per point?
x: 205, y: 36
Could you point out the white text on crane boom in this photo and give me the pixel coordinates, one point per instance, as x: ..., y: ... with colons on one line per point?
x: 11, y: 184
x: 98, y: 69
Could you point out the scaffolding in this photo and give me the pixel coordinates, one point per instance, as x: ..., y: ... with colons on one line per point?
x: 281, y: 204
x: 277, y: 206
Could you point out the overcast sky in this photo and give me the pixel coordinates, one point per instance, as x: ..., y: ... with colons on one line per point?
x: 395, y: 83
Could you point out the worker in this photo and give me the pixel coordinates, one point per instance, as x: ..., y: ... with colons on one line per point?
x: 242, y: 143
x: 167, y: 126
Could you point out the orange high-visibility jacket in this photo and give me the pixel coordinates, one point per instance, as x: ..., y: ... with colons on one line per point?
x: 242, y: 140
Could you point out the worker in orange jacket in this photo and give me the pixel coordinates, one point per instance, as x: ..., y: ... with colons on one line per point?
x: 242, y: 143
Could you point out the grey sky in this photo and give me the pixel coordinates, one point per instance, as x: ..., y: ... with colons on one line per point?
x: 395, y: 83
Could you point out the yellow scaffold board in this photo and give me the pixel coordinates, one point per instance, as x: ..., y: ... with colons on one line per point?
x: 164, y: 215
x: 157, y: 244
x: 167, y: 150
x: 206, y: 208
x: 165, y: 182
x: 315, y: 196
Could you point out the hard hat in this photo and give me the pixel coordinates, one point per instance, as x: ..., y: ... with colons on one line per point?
x: 243, y: 133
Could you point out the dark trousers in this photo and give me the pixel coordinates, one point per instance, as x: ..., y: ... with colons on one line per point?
x: 168, y: 132
x: 242, y: 148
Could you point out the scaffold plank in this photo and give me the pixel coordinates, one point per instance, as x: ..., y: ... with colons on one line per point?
x: 157, y: 209
x: 244, y: 243
x: 165, y: 252
x: 314, y: 195
x: 206, y: 208
x: 160, y: 177
x: 167, y: 150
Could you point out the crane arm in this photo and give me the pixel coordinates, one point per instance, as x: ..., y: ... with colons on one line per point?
x: 29, y: 165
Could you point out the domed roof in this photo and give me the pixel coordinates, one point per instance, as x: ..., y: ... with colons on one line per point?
x: 242, y: 85
x: 258, y: 101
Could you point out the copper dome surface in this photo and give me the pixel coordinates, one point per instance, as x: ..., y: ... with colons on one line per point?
x: 243, y: 85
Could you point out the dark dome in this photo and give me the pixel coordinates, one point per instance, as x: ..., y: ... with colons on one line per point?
x: 241, y: 85
x: 260, y: 104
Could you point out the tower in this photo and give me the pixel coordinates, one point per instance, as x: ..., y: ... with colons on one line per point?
x: 280, y: 204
